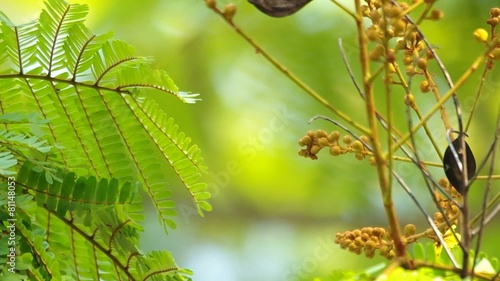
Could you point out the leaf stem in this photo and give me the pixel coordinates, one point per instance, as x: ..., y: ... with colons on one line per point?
x: 380, y: 160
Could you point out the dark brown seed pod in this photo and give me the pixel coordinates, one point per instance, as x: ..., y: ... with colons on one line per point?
x: 279, y: 8
x: 451, y: 166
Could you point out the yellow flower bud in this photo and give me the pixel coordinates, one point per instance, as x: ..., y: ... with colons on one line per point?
x: 315, y: 149
x: 323, y: 142
x: 481, y: 35
x: 409, y: 99
x: 321, y: 133
x: 422, y: 63
x: 436, y: 15
x: 410, y: 70
x: 335, y: 150
x: 347, y: 139
x: 229, y: 11
x: 333, y: 136
x: 210, y: 3
x: 425, y: 87
x: 306, y: 140
x: 410, y: 229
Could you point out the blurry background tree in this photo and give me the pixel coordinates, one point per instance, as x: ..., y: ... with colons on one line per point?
x: 276, y: 214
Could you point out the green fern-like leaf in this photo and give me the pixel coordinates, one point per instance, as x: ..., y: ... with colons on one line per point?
x: 74, y: 194
x: 78, y: 126
x: 93, y: 91
x: 7, y: 163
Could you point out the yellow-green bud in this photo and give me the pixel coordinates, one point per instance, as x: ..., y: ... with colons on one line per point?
x: 411, y: 36
x: 438, y: 217
x: 409, y: 99
x: 306, y: 140
x: 372, y: 161
x: 443, y: 182
x: 373, y: 35
x: 321, y: 134
x: 401, y: 44
x: 422, y: 63
x: 410, y: 70
x: 407, y: 60
x: 315, y: 149
x: 335, y: 150
x: 229, y: 11
x: 410, y: 229
x: 334, y: 136
x: 210, y: 3
x: 359, y: 242
x: 436, y: 15
x: 323, y: 142
x: 391, y: 255
x: 370, y: 245
x: 357, y: 145
x: 347, y: 139
x: 352, y: 247
x: 495, y: 54
x: 425, y: 87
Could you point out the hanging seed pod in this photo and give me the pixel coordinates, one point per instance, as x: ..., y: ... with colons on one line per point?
x: 452, y: 167
x: 279, y: 8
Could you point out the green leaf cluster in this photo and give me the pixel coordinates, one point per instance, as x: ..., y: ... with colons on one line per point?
x: 79, y: 138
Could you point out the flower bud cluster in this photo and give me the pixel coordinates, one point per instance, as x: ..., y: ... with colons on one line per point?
x: 494, y: 19
x: 482, y: 35
x: 389, y: 22
x: 372, y: 239
x: 314, y: 141
x: 451, y: 211
x: 367, y: 240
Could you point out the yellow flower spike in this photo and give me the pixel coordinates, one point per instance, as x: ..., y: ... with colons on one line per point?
x: 449, y: 239
x: 481, y: 35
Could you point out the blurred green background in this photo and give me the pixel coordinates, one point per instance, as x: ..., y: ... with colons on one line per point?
x: 275, y: 213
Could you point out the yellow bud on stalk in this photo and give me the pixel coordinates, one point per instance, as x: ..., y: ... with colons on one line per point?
x: 481, y: 35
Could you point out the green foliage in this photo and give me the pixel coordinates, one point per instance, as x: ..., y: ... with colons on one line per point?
x: 80, y: 137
